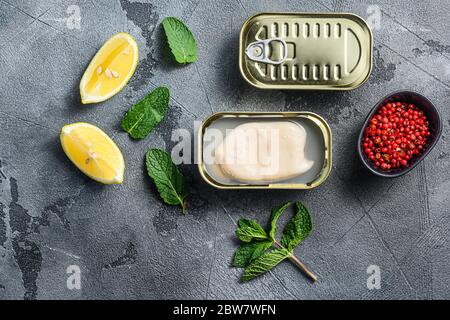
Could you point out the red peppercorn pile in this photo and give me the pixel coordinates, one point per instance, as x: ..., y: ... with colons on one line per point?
x: 395, y: 134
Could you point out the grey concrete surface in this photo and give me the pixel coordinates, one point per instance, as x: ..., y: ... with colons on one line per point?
x: 127, y: 243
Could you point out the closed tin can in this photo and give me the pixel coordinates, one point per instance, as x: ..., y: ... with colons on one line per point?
x: 305, y: 51
x: 318, y: 147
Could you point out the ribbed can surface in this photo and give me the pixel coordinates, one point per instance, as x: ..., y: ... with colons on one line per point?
x: 305, y: 51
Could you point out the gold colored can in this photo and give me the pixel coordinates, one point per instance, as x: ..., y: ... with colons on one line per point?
x: 305, y: 51
x: 318, y: 147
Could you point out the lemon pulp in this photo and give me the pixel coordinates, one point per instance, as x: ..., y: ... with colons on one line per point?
x: 110, y: 69
x: 93, y: 152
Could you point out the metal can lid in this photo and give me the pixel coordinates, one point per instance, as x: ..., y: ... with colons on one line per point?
x: 311, y: 51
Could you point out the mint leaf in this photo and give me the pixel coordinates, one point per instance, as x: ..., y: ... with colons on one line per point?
x: 297, y: 229
x: 249, y: 230
x: 276, y: 213
x: 264, y: 263
x: 248, y: 252
x: 169, y: 181
x: 181, y: 41
x: 254, y: 254
x: 140, y: 120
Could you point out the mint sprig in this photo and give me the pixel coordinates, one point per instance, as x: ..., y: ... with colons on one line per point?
x: 249, y: 230
x: 181, y: 41
x: 261, y: 251
x: 265, y: 262
x: 143, y: 117
x: 297, y: 229
x: 169, y: 181
x: 248, y: 252
x: 276, y: 213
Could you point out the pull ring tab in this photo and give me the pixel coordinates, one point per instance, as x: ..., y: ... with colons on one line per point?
x: 260, y: 50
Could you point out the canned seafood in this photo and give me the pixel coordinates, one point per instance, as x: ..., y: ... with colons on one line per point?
x: 305, y: 150
x: 305, y: 51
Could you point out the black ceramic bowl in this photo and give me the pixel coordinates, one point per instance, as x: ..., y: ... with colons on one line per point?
x: 433, y: 117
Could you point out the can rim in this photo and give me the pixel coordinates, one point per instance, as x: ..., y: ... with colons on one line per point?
x: 320, y: 121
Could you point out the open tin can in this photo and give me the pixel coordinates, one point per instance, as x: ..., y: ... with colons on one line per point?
x: 305, y: 51
x: 318, y: 147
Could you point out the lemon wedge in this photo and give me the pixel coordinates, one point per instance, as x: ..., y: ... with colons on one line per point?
x: 110, y: 69
x: 93, y: 152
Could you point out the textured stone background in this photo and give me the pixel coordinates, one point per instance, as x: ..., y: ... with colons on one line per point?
x: 130, y: 245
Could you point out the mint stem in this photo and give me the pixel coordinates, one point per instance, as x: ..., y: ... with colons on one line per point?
x: 299, y: 264
x: 184, y: 206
